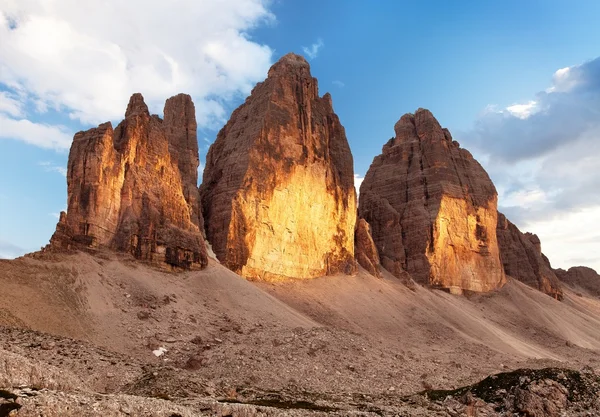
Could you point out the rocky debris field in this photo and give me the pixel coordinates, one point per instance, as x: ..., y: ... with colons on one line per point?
x: 58, y: 376
x: 104, y: 335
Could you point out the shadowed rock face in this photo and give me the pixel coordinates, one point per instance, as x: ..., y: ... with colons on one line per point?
x: 432, y: 209
x: 581, y: 277
x: 278, y: 189
x: 365, y: 250
x: 133, y: 189
x: 522, y: 258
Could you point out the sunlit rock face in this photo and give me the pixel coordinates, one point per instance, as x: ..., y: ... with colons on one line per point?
x: 432, y: 209
x: 134, y: 188
x: 522, y: 257
x: 278, y: 189
x: 365, y: 250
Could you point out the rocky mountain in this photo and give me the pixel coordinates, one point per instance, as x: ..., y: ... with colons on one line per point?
x: 278, y: 189
x: 581, y: 278
x: 92, y: 332
x: 522, y: 258
x: 134, y: 188
x: 432, y: 209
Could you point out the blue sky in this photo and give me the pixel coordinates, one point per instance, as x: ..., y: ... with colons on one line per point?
x: 487, y: 70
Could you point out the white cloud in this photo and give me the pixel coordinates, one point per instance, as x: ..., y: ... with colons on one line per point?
x: 10, y: 104
x: 358, y: 179
x: 543, y: 157
x: 563, y: 80
x: 338, y: 83
x: 313, y: 51
x: 554, y: 118
x: 38, y: 134
x: 50, y: 167
x: 523, y: 111
x: 572, y: 239
x: 200, y: 172
x: 87, y: 58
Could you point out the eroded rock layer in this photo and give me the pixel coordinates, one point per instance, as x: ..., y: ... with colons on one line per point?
x: 522, y: 258
x: 134, y: 188
x: 278, y: 194
x: 432, y: 209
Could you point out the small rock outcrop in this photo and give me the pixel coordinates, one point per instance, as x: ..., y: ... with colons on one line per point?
x: 522, y: 258
x: 278, y: 191
x: 432, y: 209
x: 581, y: 277
x: 134, y: 188
x: 365, y: 250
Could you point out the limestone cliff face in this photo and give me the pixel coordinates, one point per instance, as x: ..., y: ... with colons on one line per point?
x: 365, y: 250
x: 133, y: 189
x: 277, y: 193
x: 522, y: 257
x: 432, y: 209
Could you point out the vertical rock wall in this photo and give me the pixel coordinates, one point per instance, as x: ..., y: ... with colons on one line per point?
x: 278, y: 188
x: 134, y: 188
x: 433, y: 209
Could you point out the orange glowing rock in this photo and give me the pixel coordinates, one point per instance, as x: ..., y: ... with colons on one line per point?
x: 134, y: 188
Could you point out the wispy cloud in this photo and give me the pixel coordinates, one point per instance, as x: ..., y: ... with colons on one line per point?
x: 312, y: 51
x: 38, y: 134
x: 56, y: 215
x: 338, y: 83
x: 10, y: 251
x: 10, y: 104
x: 51, y: 167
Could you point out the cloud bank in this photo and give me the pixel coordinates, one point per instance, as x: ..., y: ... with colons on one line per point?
x: 85, y: 59
x: 544, y: 156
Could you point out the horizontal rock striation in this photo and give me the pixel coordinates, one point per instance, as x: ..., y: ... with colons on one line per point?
x: 432, y: 209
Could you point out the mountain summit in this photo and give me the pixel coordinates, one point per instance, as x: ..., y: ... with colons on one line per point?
x: 278, y: 189
x: 134, y: 188
x: 433, y: 209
